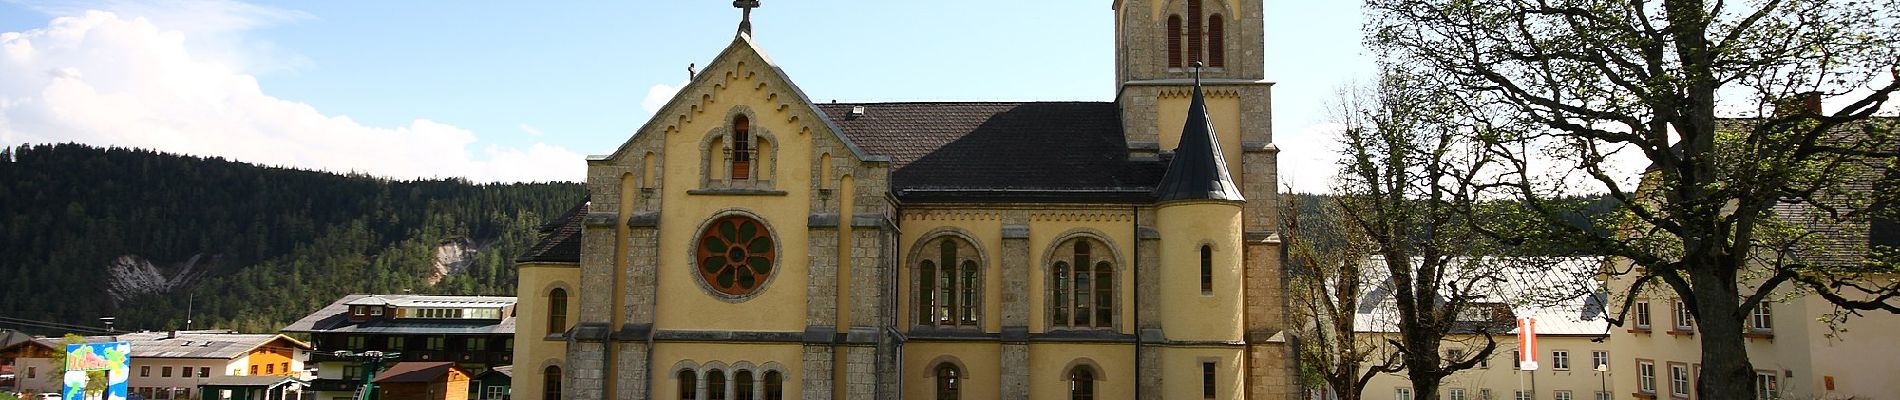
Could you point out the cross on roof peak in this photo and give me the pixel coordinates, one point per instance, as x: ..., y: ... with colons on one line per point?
x: 745, y: 19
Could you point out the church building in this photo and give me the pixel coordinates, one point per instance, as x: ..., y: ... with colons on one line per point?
x: 747, y: 243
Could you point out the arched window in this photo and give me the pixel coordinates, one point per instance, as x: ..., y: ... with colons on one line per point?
x: 948, y: 381
x: 1207, y: 269
x: 1174, y: 41
x: 742, y: 385
x: 774, y: 386
x: 715, y: 385
x: 741, y: 149
x: 557, y: 311
x: 1194, y: 31
x: 948, y: 282
x: 551, y: 383
x: 688, y: 384
x: 1082, y: 383
x: 1083, y: 283
x: 1216, y: 50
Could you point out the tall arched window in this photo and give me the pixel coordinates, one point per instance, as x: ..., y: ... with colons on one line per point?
x: 688, y: 384
x: 1207, y: 269
x: 557, y: 311
x: 949, y: 380
x: 1216, y: 49
x: 1082, y: 383
x: 948, y: 282
x: 774, y: 385
x: 715, y: 385
x: 1083, y: 284
x: 741, y: 148
x: 742, y: 385
x: 1174, y: 41
x: 1194, y: 31
x: 551, y: 383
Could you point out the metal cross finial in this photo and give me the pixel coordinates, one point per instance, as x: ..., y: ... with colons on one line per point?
x: 745, y: 20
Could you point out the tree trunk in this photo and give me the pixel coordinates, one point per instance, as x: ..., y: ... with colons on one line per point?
x: 1726, y: 372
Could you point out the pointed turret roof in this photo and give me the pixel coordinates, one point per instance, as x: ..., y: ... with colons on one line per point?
x: 1198, y: 170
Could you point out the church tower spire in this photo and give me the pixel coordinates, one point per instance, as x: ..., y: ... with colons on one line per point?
x: 1198, y: 170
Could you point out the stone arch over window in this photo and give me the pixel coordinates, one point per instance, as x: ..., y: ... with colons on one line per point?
x: 1082, y: 375
x: 949, y: 266
x: 1083, y: 288
x: 713, y: 381
x: 557, y: 309
x: 738, y: 154
x: 1199, y: 26
x: 685, y: 375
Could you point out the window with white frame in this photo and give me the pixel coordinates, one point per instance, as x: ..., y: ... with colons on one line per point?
x: 1646, y: 376
x: 1678, y: 380
x: 1456, y: 394
x: 1602, y: 395
x: 1600, y: 357
x: 1484, y: 394
x: 1522, y: 395
x: 494, y: 392
x: 1402, y: 394
x: 1560, y: 360
x: 1762, y: 318
x: 1684, y: 318
x: 1766, y: 387
x: 1561, y: 395
x: 1642, y: 315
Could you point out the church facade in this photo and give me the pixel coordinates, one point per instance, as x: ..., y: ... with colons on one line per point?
x: 749, y: 243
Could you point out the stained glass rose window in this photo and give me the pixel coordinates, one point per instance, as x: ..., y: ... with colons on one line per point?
x: 736, y: 255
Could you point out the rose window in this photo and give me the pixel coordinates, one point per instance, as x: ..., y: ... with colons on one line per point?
x: 735, y: 255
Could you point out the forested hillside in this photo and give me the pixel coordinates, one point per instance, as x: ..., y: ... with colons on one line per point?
x: 88, y: 232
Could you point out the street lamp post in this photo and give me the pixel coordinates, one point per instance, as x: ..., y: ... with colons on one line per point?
x: 1603, y: 379
x: 373, y: 360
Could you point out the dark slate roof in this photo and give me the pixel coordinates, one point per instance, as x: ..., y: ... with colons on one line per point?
x: 415, y: 372
x: 560, y: 238
x: 1198, y: 170
x: 1000, y: 151
x: 335, y: 318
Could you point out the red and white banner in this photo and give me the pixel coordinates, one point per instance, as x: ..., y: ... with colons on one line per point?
x: 1527, y: 344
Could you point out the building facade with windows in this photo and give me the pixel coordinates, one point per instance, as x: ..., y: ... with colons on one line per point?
x: 183, y: 364
x: 750, y: 243
x: 1561, y: 294
x: 476, y: 333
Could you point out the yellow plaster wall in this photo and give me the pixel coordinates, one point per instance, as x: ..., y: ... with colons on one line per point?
x: 1222, y: 109
x: 667, y: 356
x: 983, y: 226
x: 1048, y: 378
x: 1114, y: 227
x: 1181, y: 372
x: 277, y: 353
x: 780, y: 305
x: 533, y: 351
x: 1187, y: 314
x: 980, y: 363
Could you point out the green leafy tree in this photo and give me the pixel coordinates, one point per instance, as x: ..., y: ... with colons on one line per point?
x: 1730, y: 210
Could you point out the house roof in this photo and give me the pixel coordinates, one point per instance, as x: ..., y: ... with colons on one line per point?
x: 335, y: 318
x: 212, y: 344
x: 1561, y: 293
x: 416, y: 372
x: 1000, y: 151
x: 1198, y: 170
x: 264, y: 381
x: 560, y: 238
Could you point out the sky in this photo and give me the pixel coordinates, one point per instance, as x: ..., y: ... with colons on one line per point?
x: 504, y: 92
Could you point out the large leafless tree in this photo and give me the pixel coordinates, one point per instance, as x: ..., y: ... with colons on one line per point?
x: 1730, y: 209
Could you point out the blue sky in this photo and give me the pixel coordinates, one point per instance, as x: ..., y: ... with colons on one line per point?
x: 511, y: 92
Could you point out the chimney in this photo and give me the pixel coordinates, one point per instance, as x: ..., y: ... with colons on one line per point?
x: 173, y: 334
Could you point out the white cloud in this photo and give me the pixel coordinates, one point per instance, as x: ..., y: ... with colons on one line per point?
x: 530, y: 130
x: 103, y: 79
x: 658, y: 95
x: 1309, y: 159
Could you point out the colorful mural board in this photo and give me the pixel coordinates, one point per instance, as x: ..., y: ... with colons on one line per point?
x: 115, y: 358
